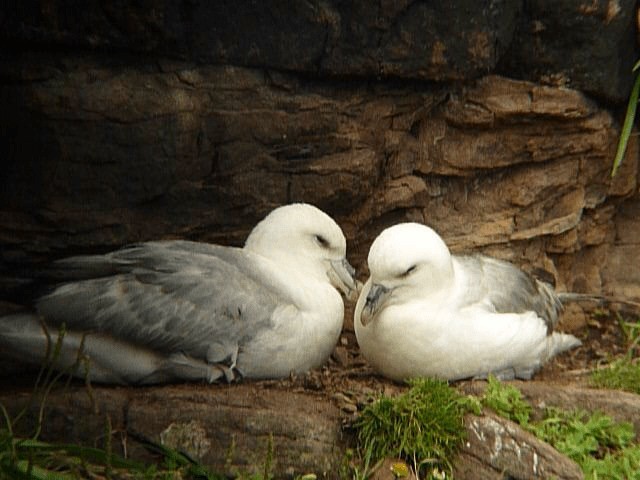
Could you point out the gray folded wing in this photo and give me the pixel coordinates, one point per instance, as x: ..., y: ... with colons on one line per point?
x: 168, y: 296
x: 508, y: 289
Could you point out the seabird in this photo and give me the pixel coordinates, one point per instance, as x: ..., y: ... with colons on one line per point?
x: 165, y: 311
x: 426, y: 313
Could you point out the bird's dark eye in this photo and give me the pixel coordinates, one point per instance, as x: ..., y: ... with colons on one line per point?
x: 409, y: 271
x: 323, y: 242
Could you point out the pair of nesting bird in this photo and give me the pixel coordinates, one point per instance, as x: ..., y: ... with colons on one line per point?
x: 169, y: 311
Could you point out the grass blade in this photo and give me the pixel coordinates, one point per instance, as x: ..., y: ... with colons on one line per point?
x: 629, y: 118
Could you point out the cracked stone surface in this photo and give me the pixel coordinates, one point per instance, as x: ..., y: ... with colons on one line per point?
x: 498, y: 448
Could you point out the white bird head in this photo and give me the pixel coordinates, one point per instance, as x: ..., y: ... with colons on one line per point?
x: 304, y: 235
x: 407, y: 260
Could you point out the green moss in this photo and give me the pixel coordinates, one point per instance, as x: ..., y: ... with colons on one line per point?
x: 424, y: 426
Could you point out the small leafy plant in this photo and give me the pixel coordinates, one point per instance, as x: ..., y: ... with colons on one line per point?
x: 598, y: 444
x: 579, y: 434
x: 603, y: 448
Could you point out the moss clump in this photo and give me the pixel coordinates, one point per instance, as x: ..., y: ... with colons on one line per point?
x: 424, y: 426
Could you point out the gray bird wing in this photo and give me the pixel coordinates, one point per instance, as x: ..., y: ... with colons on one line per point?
x: 203, y: 300
x: 507, y: 289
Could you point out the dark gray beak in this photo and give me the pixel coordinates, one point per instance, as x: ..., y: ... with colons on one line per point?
x: 376, y: 297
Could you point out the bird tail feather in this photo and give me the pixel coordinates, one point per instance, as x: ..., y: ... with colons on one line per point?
x: 24, y: 338
x: 566, y: 297
x: 561, y: 342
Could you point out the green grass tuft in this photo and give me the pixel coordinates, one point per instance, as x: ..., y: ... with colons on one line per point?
x: 621, y: 374
x: 629, y: 118
x: 424, y: 425
x: 25, y: 458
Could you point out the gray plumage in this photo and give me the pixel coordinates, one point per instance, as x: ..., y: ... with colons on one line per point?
x: 168, y: 292
x: 508, y: 289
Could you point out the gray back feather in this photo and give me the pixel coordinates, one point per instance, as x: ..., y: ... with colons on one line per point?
x: 509, y: 289
x: 171, y: 296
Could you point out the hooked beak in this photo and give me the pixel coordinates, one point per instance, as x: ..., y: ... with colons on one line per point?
x: 342, y: 276
x: 377, y: 296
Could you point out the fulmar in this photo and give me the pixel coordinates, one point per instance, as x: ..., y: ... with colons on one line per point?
x: 177, y: 310
x: 426, y: 313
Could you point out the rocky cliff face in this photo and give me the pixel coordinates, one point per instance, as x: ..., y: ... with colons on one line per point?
x: 492, y: 122
x: 495, y: 122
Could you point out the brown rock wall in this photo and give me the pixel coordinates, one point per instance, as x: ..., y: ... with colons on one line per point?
x: 115, y: 155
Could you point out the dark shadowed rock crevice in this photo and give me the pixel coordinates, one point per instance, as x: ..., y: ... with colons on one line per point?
x: 584, y: 45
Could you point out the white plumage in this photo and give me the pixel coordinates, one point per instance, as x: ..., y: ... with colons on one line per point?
x: 424, y: 312
x: 179, y: 310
